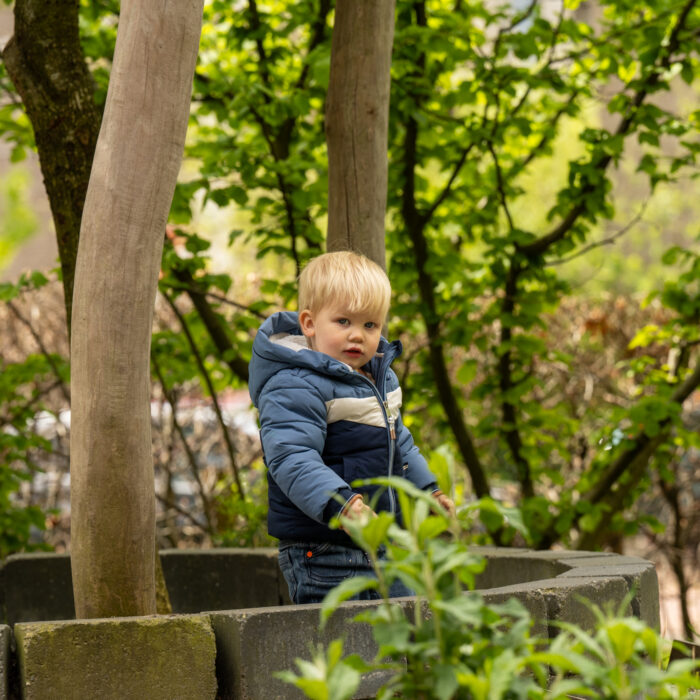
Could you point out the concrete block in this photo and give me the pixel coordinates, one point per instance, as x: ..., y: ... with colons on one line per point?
x: 573, y: 603
x: 36, y: 586
x: 254, y: 644
x: 569, y: 599
x: 561, y: 554
x: 534, y: 602
x: 592, y: 559
x: 640, y: 578
x: 4, y: 662
x: 222, y: 579
x: 507, y: 570
x: 158, y: 657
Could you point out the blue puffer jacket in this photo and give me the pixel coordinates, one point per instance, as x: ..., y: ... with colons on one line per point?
x: 322, y: 426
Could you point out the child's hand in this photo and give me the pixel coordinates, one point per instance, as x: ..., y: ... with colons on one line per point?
x: 356, y: 509
x: 446, y: 502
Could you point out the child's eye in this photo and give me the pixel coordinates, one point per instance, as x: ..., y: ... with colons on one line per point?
x: 370, y: 324
x: 343, y: 321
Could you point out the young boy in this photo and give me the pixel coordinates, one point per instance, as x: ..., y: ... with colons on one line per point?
x: 329, y: 414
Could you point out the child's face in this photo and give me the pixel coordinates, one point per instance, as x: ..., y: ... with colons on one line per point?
x: 352, y: 338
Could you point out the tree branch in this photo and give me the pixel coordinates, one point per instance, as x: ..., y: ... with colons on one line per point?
x: 446, y: 190
x: 37, y: 339
x: 210, y: 386
x: 675, y: 551
x: 605, y: 241
x: 508, y: 409
x: 206, y: 505
x: 216, y: 297
x: 212, y: 322
x: 641, y: 444
x: 601, y: 162
x: 45, y: 62
x: 426, y: 286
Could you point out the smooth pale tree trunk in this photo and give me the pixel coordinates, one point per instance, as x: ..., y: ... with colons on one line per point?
x: 133, y: 178
x: 357, y: 116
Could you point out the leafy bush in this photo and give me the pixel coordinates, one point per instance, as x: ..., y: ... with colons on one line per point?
x: 456, y: 646
x: 24, y: 387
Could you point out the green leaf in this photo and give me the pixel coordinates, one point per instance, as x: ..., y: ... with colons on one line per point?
x: 344, y: 591
x: 467, y: 372
x: 445, y: 683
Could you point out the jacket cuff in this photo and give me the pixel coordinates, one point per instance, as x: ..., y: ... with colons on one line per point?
x: 333, y: 507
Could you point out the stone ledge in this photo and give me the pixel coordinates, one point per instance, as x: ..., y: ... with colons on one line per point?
x: 254, y: 644
x: 111, y: 659
x: 4, y: 661
x: 251, y: 643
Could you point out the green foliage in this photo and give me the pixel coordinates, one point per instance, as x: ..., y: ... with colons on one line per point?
x: 23, y: 386
x: 18, y: 220
x: 456, y: 646
x: 521, y: 142
x: 242, y: 522
x: 500, y: 172
x: 21, y: 447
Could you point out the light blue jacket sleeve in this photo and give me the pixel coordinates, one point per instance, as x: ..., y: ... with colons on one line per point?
x: 415, y: 467
x: 293, y: 433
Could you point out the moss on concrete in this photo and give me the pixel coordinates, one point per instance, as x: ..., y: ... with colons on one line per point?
x: 4, y: 661
x: 159, y: 657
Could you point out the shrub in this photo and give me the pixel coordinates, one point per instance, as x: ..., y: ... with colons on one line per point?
x: 456, y: 646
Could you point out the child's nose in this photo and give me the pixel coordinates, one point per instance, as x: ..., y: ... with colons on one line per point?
x: 355, y: 333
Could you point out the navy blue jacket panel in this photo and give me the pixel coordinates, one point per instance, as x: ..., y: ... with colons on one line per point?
x: 322, y: 426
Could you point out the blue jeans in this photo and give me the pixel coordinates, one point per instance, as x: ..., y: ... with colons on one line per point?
x: 312, y: 569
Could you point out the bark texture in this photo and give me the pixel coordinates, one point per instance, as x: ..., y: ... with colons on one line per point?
x: 357, y: 116
x: 133, y: 178
x: 45, y: 62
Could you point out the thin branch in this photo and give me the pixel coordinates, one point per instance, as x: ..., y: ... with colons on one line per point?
x: 278, y: 142
x: 5, y: 420
x: 42, y: 347
x: 605, y: 241
x: 181, y: 511
x: 427, y: 215
x: 675, y: 553
x: 318, y: 34
x: 541, y: 245
x: 539, y: 146
x: 500, y: 186
x: 515, y: 21
x: 617, y: 499
x: 640, y: 446
x: 212, y: 322
x: 210, y: 386
x: 191, y: 457
x: 632, y: 461
x: 213, y: 295
x: 255, y: 26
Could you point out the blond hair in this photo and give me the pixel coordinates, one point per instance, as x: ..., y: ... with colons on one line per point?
x: 345, y: 277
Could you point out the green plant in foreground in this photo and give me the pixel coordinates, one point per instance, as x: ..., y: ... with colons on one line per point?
x: 453, y: 645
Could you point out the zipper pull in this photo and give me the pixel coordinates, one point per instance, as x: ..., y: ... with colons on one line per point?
x: 392, y: 431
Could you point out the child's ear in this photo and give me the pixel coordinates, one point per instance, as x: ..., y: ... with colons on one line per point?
x: 306, y: 321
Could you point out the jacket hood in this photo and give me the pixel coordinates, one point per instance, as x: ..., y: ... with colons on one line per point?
x: 280, y: 344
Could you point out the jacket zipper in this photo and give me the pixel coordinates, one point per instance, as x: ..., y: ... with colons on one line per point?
x: 390, y: 421
x: 392, y: 448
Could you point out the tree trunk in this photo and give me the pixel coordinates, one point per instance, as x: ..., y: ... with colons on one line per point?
x: 46, y: 65
x: 357, y: 115
x: 131, y: 186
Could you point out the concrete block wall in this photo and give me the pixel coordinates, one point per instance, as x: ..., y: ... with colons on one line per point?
x: 112, y: 659
x: 5, y: 635
x: 246, y: 644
